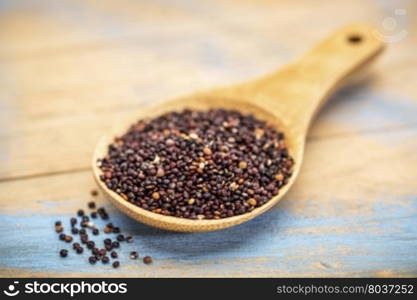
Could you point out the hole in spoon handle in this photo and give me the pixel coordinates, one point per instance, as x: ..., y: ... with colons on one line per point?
x: 327, y: 67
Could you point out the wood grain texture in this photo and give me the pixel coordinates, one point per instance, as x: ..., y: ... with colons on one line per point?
x: 71, y: 69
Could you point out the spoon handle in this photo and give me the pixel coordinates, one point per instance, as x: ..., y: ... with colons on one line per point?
x: 301, y: 88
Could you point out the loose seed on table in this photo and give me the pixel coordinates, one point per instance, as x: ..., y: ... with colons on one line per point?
x: 107, y: 230
x: 113, y: 254
x: 120, y: 237
x: 79, y: 250
x: 62, y: 237
x: 90, y: 244
x: 115, y: 244
x: 73, y: 221
x: 129, y: 239
x: 91, y: 205
x: 63, y: 252
x: 68, y: 238
x: 116, y: 264
x: 147, y: 260
x: 96, y: 231
x: 108, y: 247
x: 85, y: 219
x: 116, y: 229
x: 92, y: 259
x: 94, y: 193
x: 133, y: 255
x: 74, y: 230
x: 58, y: 228
x: 93, y: 215
x: 76, y: 245
x: 95, y: 251
x: 107, y: 241
x: 82, y: 231
x: 80, y: 213
x: 84, y: 239
x: 58, y: 223
x: 105, y: 259
x: 102, y: 252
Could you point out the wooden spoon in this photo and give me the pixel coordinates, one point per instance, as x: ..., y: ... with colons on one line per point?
x: 287, y: 99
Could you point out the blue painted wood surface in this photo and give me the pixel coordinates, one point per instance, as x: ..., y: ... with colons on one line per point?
x: 71, y: 68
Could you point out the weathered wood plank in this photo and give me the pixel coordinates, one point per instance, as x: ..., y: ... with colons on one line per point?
x: 71, y: 69
x: 337, y: 216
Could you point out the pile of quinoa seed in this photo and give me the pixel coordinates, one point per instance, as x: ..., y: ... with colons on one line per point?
x: 198, y: 164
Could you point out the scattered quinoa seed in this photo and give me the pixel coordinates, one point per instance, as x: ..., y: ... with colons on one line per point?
x: 147, y: 260
x: 133, y: 255
x: 63, y: 253
x: 58, y: 228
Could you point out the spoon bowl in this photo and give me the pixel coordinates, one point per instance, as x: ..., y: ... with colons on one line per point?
x: 287, y: 100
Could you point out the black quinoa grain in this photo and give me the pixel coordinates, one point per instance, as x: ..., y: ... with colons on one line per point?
x: 110, y: 225
x: 79, y: 250
x: 76, y: 245
x: 115, y: 244
x: 108, y: 247
x: 94, y: 193
x: 73, y: 221
x: 62, y: 236
x: 74, y: 230
x: 107, y: 241
x: 80, y: 213
x: 92, y: 260
x: 96, y: 231
x: 95, y: 251
x: 113, y: 254
x: 105, y: 259
x: 93, y: 215
x: 82, y: 231
x: 133, y: 255
x: 120, y: 237
x: 63, y: 252
x: 102, y: 252
x: 84, y: 239
x: 90, y: 244
x: 198, y: 164
x: 116, y: 230
x: 58, y: 228
x: 129, y: 239
x: 85, y: 219
x: 68, y: 238
x: 91, y: 205
x: 116, y: 264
